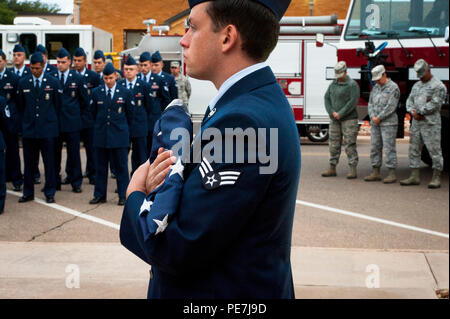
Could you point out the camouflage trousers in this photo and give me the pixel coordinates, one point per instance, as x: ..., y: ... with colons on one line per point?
x: 343, y: 133
x: 383, y: 137
x: 430, y: 136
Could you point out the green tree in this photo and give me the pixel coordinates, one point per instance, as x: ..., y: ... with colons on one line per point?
x: 9, y: 9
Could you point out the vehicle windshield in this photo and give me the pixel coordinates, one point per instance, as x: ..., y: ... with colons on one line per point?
x: 385, y: 19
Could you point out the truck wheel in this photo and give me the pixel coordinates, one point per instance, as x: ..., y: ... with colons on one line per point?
x: 317, y: 133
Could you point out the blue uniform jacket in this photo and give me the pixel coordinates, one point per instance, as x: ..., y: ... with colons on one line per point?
x: 26, y: 72
x: 39, y: 108
x: 8, y: 89
x: 171, y: 84
x: 161, y: 95
x: 51, y: 69
x: 75, y: 100
x: 3, y: 122
x: 231, y: 239
x: 92, y: 80
x: 111, y: 129
x: 142, y: 109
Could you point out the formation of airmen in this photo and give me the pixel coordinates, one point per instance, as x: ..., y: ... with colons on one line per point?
x: 424, y: 104
x: 109, y: 112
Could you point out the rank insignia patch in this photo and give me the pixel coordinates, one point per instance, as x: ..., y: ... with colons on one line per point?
x: 212, y: 179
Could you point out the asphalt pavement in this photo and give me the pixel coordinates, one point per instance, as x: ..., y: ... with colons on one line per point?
x: 351, y: 239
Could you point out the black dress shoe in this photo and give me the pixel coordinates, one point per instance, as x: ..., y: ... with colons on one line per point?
x: 37, y: 180
x: 97, y: 200
x: 50, y: 199
x: 17, y: 188
x: 113, y: 176
x: 116, y: 191
x: 76, y: 190
x: 121, y: 202
x: 66, y: 181
x: 91, y: 182
x: 25, y: 199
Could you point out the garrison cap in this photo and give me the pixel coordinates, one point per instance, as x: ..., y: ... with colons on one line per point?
x: 377, y: 72
x: 421, y: 67
x: 99, y: 55
x: 36, y: 58
x: 79, y: 52
x: 130, y: 61
x: 339, y: 69
x: 278, y: 7
x: 145, y: 56
x: 156, y: 57
x: 174, y: 64
x: 18, y: 48
x: 42, y: 49
x: 109, y: 69
x: 62, y: 53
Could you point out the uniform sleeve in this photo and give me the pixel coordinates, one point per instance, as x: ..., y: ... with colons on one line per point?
x: 165, y: 96
x: 370, y: 106
x: 188, y: 88
x: 435, y: 103
x: 93, y: 105
x: 20, y: 99
x: 149, y: 100
x: 130, y: 106
x: 328, y: 104
x: 84, y: 96
x: 203, y: 227
x: 351, y: 105
x: 58, y: 97
x: 173, y: 88
x: 392, y: 104
x: 410, y: 105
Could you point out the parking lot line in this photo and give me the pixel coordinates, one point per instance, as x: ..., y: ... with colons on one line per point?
x: 372, y: 219
x: 299, y: 202
x: 72, y: 212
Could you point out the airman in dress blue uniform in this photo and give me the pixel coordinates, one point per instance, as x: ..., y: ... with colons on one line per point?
x: 157, y: 68
x: 74, y: 100
x: 144, y: 105
x: 161, y: 95
x: 20, y: 69
x: 92, y: 81
x: 3, y: 123
x: 48, y: 68
x: 218, y: 243
x: 99, y: 63
x: 113, y: 107
x: 39, y: 101
x: 11, y: 129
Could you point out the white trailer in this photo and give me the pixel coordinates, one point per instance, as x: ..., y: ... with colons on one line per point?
x: 53, y: 37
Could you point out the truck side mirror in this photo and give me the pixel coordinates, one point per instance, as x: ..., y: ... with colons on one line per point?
x: 319, y: 40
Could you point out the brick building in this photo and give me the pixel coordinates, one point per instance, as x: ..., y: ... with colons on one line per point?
x: 123, y: 18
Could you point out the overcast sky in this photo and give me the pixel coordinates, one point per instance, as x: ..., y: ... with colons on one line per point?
x: 65, y: 5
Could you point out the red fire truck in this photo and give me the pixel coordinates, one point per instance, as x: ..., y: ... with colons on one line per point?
x: 396, y: 33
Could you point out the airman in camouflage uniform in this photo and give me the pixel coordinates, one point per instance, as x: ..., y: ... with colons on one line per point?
x: 424, y: 104
x: 184, y: 86
x: 383, y: 104
x: 341, y: 100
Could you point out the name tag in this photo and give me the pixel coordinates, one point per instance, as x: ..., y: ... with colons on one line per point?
x: 26, y: 91
x: 100, y: 102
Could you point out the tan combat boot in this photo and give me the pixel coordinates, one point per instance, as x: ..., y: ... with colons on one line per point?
x: 391, y: 178
x: 352, y: 173
x: 375, y: 176
x: 436, y: 180
x: 414, y: 178
x: 330, y: 172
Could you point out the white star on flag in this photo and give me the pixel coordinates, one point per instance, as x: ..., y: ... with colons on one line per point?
x: 178, y: 168
x: 162, y: 225
x: 146, y: 205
